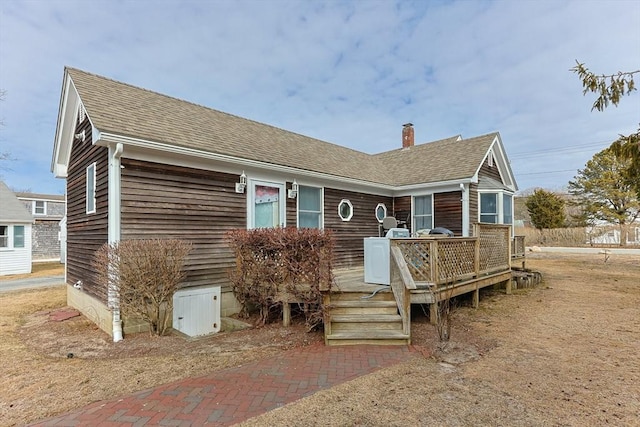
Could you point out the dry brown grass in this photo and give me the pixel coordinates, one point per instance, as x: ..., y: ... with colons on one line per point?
x: 39, y: 269
x: 565, y: 353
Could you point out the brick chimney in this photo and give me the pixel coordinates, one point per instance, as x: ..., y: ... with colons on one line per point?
x: 407, y: 135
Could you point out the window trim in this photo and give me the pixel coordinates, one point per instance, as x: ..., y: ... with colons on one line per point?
x: 6, y: 237
x: 35, y: 207
x: 384, y: 210
x: 24, y: 237
x: 251, y: 211
x: 413, y: 211
x: 499, y: 205
x: 320, y: 212
x: 10, y: 237
x: 348, y: 203
x: 90, y: 195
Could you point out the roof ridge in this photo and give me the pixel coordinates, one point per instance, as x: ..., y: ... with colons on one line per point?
x: 235, y: 116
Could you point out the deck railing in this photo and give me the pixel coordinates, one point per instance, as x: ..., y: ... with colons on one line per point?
x: 517, y: 247
x: 445, y: 260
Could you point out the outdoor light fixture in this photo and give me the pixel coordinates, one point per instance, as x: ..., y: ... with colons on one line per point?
x: 293, y: 192
x: 240, y: 186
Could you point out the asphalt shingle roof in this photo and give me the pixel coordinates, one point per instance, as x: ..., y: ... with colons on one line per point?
x: 126, y: 110
x: 12, y: 211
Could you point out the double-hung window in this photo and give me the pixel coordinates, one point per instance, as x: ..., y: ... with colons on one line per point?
x: 39, y: 207
x: 12, y: 236
x: 496, y: 208
x: 4, y: 236
x: 489, y: 207
x: 91, y: 188
x: 422, y: 212
x: 18, y: 236
x: 309, y: 207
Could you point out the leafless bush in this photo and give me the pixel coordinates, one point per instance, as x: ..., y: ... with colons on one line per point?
x: 279, y: 262
x: 145, y: 274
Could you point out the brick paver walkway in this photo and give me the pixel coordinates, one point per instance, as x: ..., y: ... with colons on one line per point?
x: 236, y: 394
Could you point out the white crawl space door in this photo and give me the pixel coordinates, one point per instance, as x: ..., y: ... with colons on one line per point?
x: 197, y: 311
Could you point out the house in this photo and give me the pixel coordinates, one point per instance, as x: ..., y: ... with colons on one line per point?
x: 48, y: 211
x: 604, y: 233
x: 139, y: 164
x: 15, y: 234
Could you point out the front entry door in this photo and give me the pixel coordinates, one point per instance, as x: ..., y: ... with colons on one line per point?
x: 267, y: 203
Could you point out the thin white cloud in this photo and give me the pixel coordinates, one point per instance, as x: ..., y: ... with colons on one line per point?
x: 346, y: 72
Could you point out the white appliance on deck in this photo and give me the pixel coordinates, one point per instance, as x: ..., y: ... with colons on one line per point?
x: 377, y: 256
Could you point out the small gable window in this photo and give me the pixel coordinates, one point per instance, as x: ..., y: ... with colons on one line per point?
x: 345, y: 210
x: 40, y: 207
x: 490, y: 159
x: 91, y: 188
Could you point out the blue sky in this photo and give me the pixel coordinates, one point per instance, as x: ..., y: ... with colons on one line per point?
x: 346, y: 72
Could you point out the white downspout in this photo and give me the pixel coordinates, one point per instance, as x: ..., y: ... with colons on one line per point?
x: 465, y: 209
x: 114, y: 230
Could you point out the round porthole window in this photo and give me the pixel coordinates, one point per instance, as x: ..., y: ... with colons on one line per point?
x: 381, y: 212
x: 345, y: 210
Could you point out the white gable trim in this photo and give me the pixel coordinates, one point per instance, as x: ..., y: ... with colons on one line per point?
x: 70, y: 103
x: 500, y: 161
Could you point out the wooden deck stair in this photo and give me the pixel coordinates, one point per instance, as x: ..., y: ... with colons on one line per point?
x: 356, y: 320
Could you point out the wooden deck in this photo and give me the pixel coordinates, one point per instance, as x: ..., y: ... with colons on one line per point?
x: 423, y: 271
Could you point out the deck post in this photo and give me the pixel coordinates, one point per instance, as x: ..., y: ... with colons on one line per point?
x: 433, y: 313
x: 286, y: 313
x: 476, y: 297
x: 508, y: 286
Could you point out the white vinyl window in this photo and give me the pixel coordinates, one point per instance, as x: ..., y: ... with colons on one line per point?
x: 422, y: 212
x: 489, y: 208
x: 496, y: 208
x: 507, y: 209
x: 39, y: 207
x: 91, y: 188
x: 12, y: 236
x: 4, y: 236
x: 18, y: 236
x: 309, y: 207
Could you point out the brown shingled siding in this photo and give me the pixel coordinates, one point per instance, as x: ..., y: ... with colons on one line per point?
x: 490, y: 171
x: 402, y: 209
x: 163, y: 201
x: 474, y: 213
x: 349, y: 235
x: 86, y: 232
x: 448, y: 211
x: 291, y: 208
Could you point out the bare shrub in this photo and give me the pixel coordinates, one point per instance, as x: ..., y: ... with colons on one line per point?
x: 145, y: 274
x: 272, y: 263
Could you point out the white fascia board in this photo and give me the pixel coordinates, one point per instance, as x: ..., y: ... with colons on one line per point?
x: 501, y: 163
x: 64, y: 128
x: 350, y: 184
x: 432, y: 187
x: 505, y: 167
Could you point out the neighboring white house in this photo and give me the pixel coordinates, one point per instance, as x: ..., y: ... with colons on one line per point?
x: 606, y: 234
x: 15, y: 234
